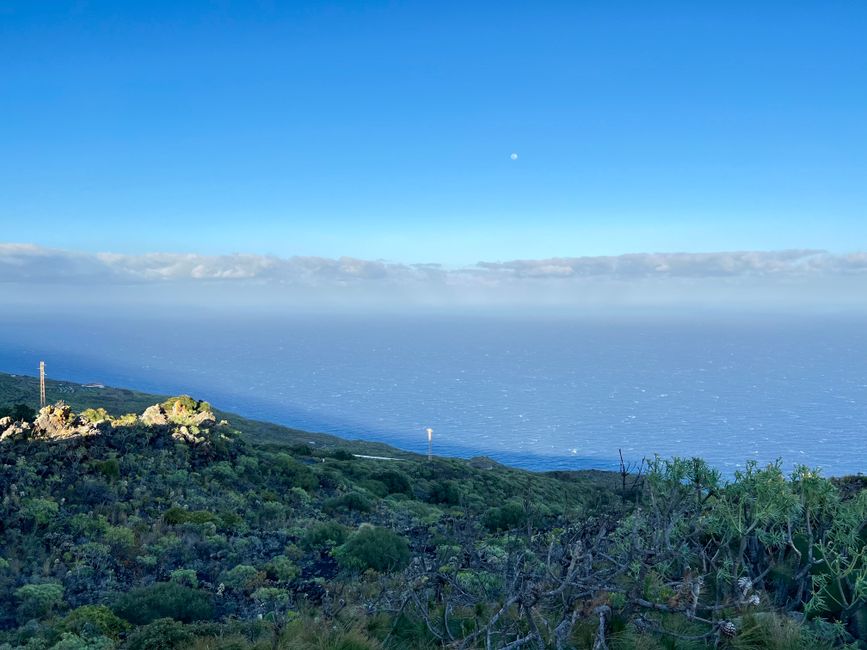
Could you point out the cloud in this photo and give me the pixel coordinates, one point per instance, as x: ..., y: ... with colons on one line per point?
x: 27, y: 263
x: 636, y: 278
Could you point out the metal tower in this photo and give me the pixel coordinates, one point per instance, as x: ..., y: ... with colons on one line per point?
x: 42, y: 400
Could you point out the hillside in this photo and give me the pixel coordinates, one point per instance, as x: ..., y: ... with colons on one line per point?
x: 178, y: 526
x: 23, y: 389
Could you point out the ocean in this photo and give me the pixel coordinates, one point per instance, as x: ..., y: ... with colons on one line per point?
x: 541, y: 394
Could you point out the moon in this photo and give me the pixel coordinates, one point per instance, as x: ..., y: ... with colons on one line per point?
x: 514, y: 156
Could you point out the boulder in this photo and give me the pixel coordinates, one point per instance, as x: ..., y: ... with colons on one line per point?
x: 15, y: 430
x: 154, y: 416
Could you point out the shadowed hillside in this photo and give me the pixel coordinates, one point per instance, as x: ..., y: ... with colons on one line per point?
x: 178, y: 526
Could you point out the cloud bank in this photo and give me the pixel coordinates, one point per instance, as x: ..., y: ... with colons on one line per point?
x: 791, y: 276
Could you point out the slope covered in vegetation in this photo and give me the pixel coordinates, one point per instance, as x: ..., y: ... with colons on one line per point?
x: 176, y: 528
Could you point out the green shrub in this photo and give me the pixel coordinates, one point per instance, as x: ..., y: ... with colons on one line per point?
x: 243, y: 576
x: 373, y: 548
x: 342, y: 454
x: 161, y: 634
x: 294, y: 473
x: 93, y: 620
x: 324, y: 534
x: 446, y: 492
x: 110, y: 468
x: 174, y: 516
x: 70, y: 641
x: 121, y: 540
x: 186, y: 577
x: 18, y: 412
x: 282, y: 568
x: 38, y: 600
x: 164, y: 600
x: 395, y: 482
x: 349, y: 501
x: 40, y: 512
x: 506, y: 517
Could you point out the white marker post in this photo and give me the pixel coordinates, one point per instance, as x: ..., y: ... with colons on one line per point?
x: 429, y: 443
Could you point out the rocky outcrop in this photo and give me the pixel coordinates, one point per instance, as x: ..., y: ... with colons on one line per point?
x: 58, y: 421
x: 155, y: 416
x: 13, y: 430
x: 179, y: 411
x: 183, y: 418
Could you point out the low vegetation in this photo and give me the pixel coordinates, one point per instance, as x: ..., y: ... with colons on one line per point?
x: 181, y: 531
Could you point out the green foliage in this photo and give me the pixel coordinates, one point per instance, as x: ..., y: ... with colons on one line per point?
x: 324, y: 534
x: 186, y: 577
x: 70, y: 641
x: 283, y: 569
x: 93, y: 620
x: 506, y: 517
x: 446, y: 492
x: 395, y: 482
x: 295, y: 474
x: 18, y: 412
x: 38, y: 600
x: 40, y: 512
x: 108, y: 514
x: 354, y: 501
x: 243, y: 577
x: 144, y: 605
x: 110, y: 468
x: 161, y: 634
x: 96, y: 415
x: 374, y: 548
x: 175, y: 516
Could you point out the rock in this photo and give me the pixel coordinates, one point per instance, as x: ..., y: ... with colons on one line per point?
x: 16, y: 430
x: 5, y: 422
x: 204, y: 419
x: 154, y: 416
x: 53, y: 420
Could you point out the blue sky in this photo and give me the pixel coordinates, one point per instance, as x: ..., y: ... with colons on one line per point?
x: 384, y: 130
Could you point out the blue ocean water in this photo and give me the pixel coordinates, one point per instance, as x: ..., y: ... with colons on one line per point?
x: 540, y: 394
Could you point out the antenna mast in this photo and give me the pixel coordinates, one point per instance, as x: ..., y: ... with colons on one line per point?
x: 42, y: 400
x: 429, y: 443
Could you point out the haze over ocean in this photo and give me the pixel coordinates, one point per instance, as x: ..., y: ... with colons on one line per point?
x: 541, y: 394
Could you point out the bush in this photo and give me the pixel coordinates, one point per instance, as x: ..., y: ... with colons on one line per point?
x: 40, y: 511
x: 175, y: 516
x: 38, y: 600
x: 243, y: 576
x: 324, y: 534
x: 70, y: 641
x: 506, y: 517
x: 373, y: 548
x: 18, y: 412
x: 164, y: 600
x: 294, y: 473
x: 93, y: 620
x: 395, y: 482
x: 446, y: 492
x: 110, y: 468
x: 186, y: 577
x: 282, y: 568
x: 161, y: 634
x: 349, y: 501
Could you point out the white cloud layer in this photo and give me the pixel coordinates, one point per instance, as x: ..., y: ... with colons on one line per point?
x: 646, y: 278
